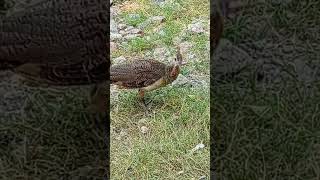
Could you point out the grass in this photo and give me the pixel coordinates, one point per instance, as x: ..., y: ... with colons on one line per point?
x: 180, y: 114
x: 270, y: 132
x: 52, y: 139
x: 164, y: 150
x: 134, y: 19
x: 139, y: 44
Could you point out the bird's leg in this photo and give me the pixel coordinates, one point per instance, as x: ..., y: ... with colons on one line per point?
x: 141, y: 98
x: 143, y: 101
x: 98, y: 104
x: 98, y: 99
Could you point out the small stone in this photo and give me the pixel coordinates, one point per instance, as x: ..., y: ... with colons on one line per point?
x: 160, y: 53
x: 196, y: 27
x: 113, y: 26
x: 157, y: 19
x: 113, y: 46
x: 129, y: 28
x: 123, y: 133
x: 119, y: 60
x: 198, y: 147
x: 143, y: 120
x: 114, y: 37
x: 122, y: 26
x: 159, y: 2
x: 131, y: 36
x: 134, y: 31
x: 191, y: 56
x: 176, y: 40
x: 180, y: 81
x: 114, y: 11
x: 124, y: 44
x: 185, y: 46
x: 180, y: 172
x: 114, y: 95
x: 144, y: 129
x: 202, y: 178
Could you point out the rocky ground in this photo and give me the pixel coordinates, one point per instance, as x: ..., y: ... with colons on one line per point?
x: 121, y: 33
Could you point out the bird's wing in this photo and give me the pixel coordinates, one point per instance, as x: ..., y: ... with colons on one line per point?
x: 57, y: 42
x: 138, y: 74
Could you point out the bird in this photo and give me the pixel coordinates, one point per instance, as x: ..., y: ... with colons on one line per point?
x: 217, y: 30
x: 145, y: 75
x: 59, y: 43
x: 219, y: 13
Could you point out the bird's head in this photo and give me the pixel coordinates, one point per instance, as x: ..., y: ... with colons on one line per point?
x: 177, y: 63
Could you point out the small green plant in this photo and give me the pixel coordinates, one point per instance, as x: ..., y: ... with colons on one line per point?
x: 139, y: 44
x: 170, y: 31
x: 134, y: 19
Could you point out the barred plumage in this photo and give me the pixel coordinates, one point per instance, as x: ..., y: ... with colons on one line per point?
x: 62, y: 42
x: 145, y: 75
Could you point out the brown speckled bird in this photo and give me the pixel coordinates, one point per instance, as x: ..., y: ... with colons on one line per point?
x: 222, y: 10
x: 217, y: 29
x: 145, y: 75
x: 57, y: 43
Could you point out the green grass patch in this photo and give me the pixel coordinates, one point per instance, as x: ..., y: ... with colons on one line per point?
x: 139, y: 44
x: 180, y: 115
x: 179, y: 122
x: 133, y: 19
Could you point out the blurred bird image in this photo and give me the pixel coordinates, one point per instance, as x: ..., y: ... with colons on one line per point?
x: 145, y: 75
x: 57, y: 43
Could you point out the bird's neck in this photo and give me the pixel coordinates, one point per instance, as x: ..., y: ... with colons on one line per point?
x: 172, y: 73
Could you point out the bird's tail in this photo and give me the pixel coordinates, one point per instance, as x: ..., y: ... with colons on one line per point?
x: 69, y: 74
x: 221, y: 10
x: 217, y: 29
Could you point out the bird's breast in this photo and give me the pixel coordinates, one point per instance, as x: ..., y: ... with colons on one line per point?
x: 159, y: 83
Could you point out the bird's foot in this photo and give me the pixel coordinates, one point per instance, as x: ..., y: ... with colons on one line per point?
x: 99, y: 120
x: 146, y: 106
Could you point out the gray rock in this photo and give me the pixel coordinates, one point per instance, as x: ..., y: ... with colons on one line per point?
x: 185, y: 47
x: 181, y: 81
x: 119, y: 60
x: 113, y: 46
x: 191, y: 56
x: 157, y: 19
x: 124, y: 44
x: 113, y: 26
x: 131, y: 36
x: 123, y: 32
x: 134, y: 31
x: 176, y: 40
x: 159, y: 2
x: 115, y: 36
x: 129, y: 28
x: 196, y: 27
x: 198, y: 81
x: 122, y: 26
x: 114, y: 95
x: 161, y: 54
